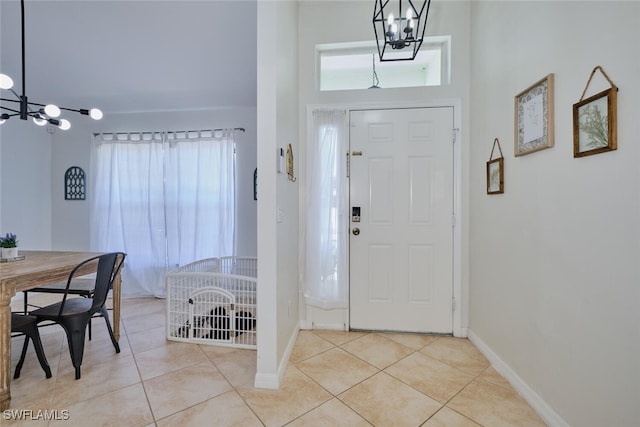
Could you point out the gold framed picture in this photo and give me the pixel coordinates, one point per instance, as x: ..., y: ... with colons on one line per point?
x: 594, y: 124
x: 534, y: 117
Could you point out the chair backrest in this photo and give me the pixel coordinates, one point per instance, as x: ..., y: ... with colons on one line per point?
x: 105, y: 276
x: 109, y: 265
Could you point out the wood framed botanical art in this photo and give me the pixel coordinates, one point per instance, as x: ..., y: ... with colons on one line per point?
x: 534, y: 117
x: 495, y: 171
x: 594, y: 121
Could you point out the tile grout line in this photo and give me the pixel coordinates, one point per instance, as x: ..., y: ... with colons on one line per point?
x: 234, y: 389
x: 333, y: 396
x: 135, y: 360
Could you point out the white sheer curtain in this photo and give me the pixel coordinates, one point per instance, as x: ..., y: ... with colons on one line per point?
x: 326, y: 279
x: 163, y: 198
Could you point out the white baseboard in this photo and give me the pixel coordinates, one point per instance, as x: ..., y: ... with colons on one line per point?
x: 272, y: 381
x: 329, y: 326
x: 306, y: 324
x: 269, y: 381
x: 543, y: 409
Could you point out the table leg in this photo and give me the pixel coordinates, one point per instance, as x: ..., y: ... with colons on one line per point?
x: 117, y: 292
x: 5, y: 348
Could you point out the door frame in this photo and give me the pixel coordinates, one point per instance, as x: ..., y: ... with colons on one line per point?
x: 458, y: 215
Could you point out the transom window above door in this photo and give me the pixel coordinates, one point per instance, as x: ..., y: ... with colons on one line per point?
x: 356, y: 65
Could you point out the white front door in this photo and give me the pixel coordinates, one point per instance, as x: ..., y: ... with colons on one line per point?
x: 401, y: 250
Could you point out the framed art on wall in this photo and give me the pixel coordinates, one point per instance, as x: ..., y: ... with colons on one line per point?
x: 594, y: 121
x: 75, y: 184
x: 534, y: 117
x: 495, y: 171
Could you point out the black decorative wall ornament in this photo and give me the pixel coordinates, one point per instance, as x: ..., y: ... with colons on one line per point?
x: 74, y: 184
x: 255, y: 184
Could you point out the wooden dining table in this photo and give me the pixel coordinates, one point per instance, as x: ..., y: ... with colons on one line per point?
x: 36, y: 269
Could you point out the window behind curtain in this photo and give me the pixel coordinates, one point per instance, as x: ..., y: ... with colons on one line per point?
x: 326, y: 273
x: 164, y: 198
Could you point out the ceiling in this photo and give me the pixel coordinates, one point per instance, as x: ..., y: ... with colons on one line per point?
x: 133, y: 56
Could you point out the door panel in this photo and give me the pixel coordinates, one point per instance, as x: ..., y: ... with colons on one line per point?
x: 401, y: 262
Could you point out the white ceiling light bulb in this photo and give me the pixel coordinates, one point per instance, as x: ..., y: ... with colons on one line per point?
x: 391, y: 26
x: 52, y: 110
x: 5, y: 81
x: 95, y: 114
x: 39, y: 121
x: 64, y: 124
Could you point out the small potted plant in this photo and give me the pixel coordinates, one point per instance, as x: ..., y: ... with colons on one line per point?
x: 9, y: 245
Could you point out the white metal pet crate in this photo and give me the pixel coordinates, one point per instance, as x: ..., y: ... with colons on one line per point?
x: 213, y: 301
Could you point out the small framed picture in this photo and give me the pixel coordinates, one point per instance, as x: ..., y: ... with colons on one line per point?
x: 534, y: 117
x: 594, y: 124
x: 495, y: 171
x: 495, y: 176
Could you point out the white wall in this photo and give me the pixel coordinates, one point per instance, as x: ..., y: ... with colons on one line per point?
x: 25, y: 177
x: 277, y: 196
x: 351, y: 22
x: 554, y: 267
x: 73, y: 148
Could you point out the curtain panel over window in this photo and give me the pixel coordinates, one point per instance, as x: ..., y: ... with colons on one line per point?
x: 327, y: 226
x: 164, y: 198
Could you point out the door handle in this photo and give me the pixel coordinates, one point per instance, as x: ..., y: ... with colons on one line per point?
x: 356, y: 231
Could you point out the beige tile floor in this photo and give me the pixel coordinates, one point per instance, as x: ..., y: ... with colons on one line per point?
x: 333, y: 379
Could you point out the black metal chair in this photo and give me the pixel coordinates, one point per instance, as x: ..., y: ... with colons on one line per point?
x: 81, y: 286
x: 26, y: 325
x: 74, y: 314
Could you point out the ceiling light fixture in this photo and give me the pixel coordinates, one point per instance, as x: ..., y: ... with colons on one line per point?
x: 404, y: 30
x: 40, y: 113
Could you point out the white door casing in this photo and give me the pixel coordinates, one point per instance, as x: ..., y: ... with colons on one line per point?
x: 402, y: 178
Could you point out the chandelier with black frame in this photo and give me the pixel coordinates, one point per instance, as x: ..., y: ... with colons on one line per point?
x: 399, y: 27
x: 41, y: 114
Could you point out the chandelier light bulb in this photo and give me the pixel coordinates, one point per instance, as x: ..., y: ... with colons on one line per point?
x: 95, y: 114
x: 404, y: 28
x: 40, y: 113
x: 5, y: 81
x: 52, y: 110
x: 39, y: 121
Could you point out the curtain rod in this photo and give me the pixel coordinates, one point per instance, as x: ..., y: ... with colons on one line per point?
x: 205, y: 130
x: 173, y: 131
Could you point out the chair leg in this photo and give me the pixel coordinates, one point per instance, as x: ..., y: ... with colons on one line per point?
x: 76, y: 332
x: 37, y: 345
x: 104, y: 313
x: 16, y: 375
x: 33, y: 333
